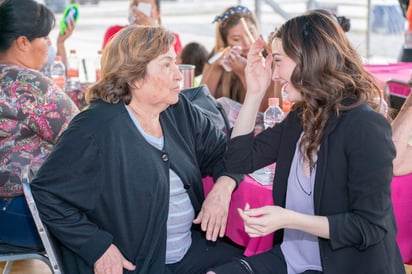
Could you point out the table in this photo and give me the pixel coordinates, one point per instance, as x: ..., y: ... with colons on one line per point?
x: 78, y: 95
x: 402, y: 204
x: 257, y: 195
x: 393, y: 79
x: 398, y: 71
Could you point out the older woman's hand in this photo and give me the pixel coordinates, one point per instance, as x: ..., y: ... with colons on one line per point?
x: 215, y: 208
x: 112, y: 262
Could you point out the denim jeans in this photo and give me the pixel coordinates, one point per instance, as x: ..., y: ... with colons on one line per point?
x: 17, y: 226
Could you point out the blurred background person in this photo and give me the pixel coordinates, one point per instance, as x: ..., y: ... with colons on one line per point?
x: 226, y: 76
x: 195, y: 54
x: 60, y: 49
x: 402, y: 132
x: 132, y: 196
x: 33, y: 112
x: 142, y: 16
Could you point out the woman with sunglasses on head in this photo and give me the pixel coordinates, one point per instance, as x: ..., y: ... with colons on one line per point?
x: 236, y: 30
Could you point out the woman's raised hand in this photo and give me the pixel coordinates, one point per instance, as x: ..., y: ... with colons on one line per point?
x: 258, y: 69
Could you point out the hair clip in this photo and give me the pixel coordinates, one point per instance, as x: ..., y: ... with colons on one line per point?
x: 237, y: 9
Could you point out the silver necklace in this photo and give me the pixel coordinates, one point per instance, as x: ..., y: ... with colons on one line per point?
x: 298, y: 175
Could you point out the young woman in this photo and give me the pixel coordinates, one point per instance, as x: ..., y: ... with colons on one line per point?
x: 333, y: 211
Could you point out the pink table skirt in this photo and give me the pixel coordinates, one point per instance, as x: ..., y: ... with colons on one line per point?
x: 249, y: 191
x: 396, y: 71
x: 402, y: 204
x: 257, y: 195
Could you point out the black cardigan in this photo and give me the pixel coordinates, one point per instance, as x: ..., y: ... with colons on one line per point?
x: 352, y: 186
x: 103, y: 183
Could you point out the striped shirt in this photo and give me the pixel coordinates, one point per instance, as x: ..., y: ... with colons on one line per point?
x: 181, y: 212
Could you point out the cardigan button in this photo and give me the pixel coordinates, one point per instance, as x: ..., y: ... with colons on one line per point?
x: 186, y: 186
x: 165, y: 157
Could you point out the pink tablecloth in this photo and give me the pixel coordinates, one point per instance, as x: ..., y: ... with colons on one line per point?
x: 395, y: 71
x: 257, y: 195
x: 401, y: 71
x: 402, y: 204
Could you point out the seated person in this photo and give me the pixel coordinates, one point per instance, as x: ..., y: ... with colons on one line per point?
x: 122, y: 190
x: 333, y: 209
x: 138, y: 17
x: 225, y: 77
x: 33, y: 112
x: 194, y: 54
x: 61, y: 49
x: 401, y: 136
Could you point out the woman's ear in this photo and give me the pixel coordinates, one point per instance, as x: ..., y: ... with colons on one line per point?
x: 138, y: 83
x: 22, y: 43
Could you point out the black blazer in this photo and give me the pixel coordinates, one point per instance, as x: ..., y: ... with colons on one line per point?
x: 103, y: 183
x: 352, y: 186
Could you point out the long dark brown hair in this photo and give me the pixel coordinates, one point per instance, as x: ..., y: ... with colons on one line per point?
x: 329, y: 74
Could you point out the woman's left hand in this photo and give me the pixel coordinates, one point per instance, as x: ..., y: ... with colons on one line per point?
x: 262, y: 221
x: 215, y: 208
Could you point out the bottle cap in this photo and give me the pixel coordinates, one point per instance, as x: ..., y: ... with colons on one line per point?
x: 273, y: 101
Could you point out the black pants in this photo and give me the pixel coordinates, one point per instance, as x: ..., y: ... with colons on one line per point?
x: 270, y: 262
x: 203, y: 255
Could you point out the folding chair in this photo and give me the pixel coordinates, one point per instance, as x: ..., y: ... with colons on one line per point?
x: 48, y: 255
x: 396, y: 92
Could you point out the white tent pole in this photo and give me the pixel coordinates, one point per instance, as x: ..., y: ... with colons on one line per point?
x: 368, y: 29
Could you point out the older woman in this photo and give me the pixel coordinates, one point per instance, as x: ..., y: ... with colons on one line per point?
x: 33, y: 111
x: 123, y: 187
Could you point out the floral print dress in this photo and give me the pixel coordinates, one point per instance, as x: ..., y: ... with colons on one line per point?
x: 33, y: 114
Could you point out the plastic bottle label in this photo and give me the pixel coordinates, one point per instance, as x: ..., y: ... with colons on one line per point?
x: 60, y: 81
x: 72, y: 73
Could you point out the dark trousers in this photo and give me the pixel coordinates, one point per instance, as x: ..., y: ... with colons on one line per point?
x: 270, y: 262
x: 203, y: 255
x: 17, y: 226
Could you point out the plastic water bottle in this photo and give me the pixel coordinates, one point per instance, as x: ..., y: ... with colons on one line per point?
x: 73, y: 82
x: 98, y: 65
x: 272, y: 115
x: 58, y: 72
